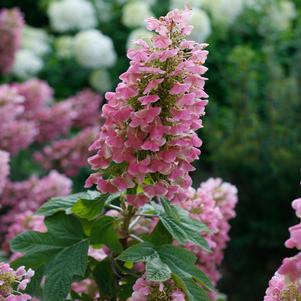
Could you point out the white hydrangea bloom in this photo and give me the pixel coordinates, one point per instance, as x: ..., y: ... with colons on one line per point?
x: 279, y: 16
x: 224, y: 11
x: 69, y: 15
x: 180, y: 4
x: 64, y: 46
x: 134, y: 13
x: 27, y: 64
x: 201, y: 25
x: 100, y: 80
x: 139, y: 33
x: 36, y: 40
x: 94, y: 50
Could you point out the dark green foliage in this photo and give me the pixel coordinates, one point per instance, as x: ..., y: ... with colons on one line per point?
x: 165, y: 260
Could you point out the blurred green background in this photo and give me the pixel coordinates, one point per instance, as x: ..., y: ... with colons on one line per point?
x: 252, y: 130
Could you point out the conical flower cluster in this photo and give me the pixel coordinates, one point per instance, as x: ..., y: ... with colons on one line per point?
x: 148, y: 139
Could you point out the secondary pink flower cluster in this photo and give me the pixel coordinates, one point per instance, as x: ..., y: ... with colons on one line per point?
x: 68, y: 155
x: 16, y: 133
x: 27, y: 116
x: 18, y: 197
x: 4, y: 169
x: 79, y: 111
x: 147, y: 290
x: 285, y: 285
x: 148, y: 139
x: 86, y: 104
x: 36, y: 93
x: 23, y: 221
x: 11, y: 26
x: 213, y: 204
x: 12, y: 283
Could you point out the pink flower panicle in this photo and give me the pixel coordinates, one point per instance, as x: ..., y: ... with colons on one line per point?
x: 68, y: 155
x: 286, y: 283
x: 148, y: 139
x: 54, y: 121
x: 152, y: 291
x: 13, y: 282
x: 79, y: 111
x: 19, y: 197
x: 86, y: 104
x: 15, y: 132
x: 22, y: 222
x: 11, y: 26
x: 4, y: 169
x: 213, y: 204
x: 37, y: 94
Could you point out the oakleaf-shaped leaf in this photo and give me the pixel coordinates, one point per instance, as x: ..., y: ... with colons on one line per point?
x: 65, y: 204
x: 69, y: 262
x: 180, y: 225
x: 156, y: 270
x: 103, y: 232
x: 62, y: 250
x: 90, y: 208
x: 175, y: 262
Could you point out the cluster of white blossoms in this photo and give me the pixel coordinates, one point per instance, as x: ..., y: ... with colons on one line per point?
x: 89, y: 46
x: 36, y: 39
x: 94, y: 50
x: 68, y: 15
x: 35, y: 43
x: 27, y: 64
x: 201, y: 25
x: 135, y: 12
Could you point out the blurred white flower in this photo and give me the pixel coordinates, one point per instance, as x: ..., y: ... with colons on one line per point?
x: 36, y: 40
x: 139, y: 33
x: 68, y: 15
x: 201, y: 25
x: 134, y: 13
x: 94, y: 50
x: 180, y: 4
x: 27, y: 64
x: 100, y: 80
x: 279, y: 17
x: 224, y: 11
x: 64, y: 46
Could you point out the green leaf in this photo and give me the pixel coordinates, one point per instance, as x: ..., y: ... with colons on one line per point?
x: 156, y: 270
x: 105, y: 279
x: 182, y: 263
x: 65, y: 204
x: 69, y: 262
x: 103, y: 232
x: 31, y: 242
x: 62, y: 250
x: 174, y: 262
x: 89, y: 208
x: 194, y: 292
x: 180, y: 225
x: 139, y: 252
x: 159, y: 236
